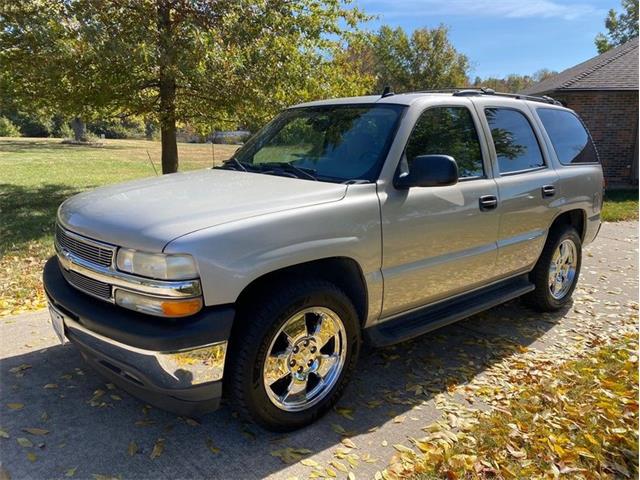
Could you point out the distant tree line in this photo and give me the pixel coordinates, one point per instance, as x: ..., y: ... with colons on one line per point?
x: 513, y: 83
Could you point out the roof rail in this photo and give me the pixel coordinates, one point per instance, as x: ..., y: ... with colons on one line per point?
x: 466, y: 92
x: 519, y: 96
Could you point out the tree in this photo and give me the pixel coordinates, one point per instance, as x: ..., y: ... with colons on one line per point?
x: 424, y: 60
x: 203, y: 62
x: 621, y: 27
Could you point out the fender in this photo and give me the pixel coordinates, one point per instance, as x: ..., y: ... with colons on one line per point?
x: 232, y: 255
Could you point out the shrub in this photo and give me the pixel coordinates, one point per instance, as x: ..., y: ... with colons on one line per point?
x: 118, y: 128
x: 63, y: 131
x: 7, y: 128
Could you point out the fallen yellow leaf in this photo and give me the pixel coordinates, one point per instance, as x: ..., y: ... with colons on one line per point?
x: 158, y: 448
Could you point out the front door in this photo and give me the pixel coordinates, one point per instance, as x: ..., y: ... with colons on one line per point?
x: 440, y: 241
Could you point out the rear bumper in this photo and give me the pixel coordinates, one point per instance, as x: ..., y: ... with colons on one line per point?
x: 176, y: 365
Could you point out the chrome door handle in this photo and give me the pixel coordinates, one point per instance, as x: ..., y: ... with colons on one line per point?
x: 488, y: 202
x: 548, y: 190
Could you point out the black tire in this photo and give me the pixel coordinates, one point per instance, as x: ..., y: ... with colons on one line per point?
x: 258, y: 326
x: 541, y: 298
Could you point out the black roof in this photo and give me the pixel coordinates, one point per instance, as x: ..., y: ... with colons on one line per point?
x: 616, y: 69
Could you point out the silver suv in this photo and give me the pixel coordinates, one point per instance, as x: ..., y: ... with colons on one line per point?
x: 375, y: 218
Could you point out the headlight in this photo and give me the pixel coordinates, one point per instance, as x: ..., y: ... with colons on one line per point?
x: 156, y: 265
x: 162, y: 307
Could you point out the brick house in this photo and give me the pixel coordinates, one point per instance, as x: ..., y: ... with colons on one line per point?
x: 604, y: 92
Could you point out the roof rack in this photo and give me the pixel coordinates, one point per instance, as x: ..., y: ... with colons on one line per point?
x: 467, y: 92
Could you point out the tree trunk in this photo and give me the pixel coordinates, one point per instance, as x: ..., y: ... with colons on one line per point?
x: 167, y: 61
x: 79, y: 130
x: 169, y: 148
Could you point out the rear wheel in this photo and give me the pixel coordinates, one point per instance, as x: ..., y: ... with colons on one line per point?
x: 294, y: 355
x: 557, y: 271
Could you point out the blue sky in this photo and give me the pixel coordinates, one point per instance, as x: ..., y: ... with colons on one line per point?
x: 505, y: 36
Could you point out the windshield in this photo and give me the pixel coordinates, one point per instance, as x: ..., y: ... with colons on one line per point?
x: 336, y: 143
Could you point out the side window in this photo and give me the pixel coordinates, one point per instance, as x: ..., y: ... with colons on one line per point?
x: 447, y: 131
x: 570, y: 140
x: 516, y: 145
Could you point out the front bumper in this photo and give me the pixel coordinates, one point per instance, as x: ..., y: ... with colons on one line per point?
x: 176, y: 365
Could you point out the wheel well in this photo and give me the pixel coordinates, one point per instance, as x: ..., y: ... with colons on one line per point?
x: 343, y: 272
x: 574, y: 218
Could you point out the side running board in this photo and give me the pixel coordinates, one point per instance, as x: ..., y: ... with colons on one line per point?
x: 426, y: 319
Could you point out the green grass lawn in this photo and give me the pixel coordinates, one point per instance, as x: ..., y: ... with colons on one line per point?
x: 620, y: 205
x: 38, y: 174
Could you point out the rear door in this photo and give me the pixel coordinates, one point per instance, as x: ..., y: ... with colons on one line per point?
x: 439, y: 241
x: 526, y: 181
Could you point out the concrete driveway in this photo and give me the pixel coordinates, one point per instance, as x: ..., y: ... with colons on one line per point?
x: 96, y: 431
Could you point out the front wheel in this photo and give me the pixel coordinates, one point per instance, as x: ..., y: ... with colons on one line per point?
x: 295, y: 354
x: 556, y: 274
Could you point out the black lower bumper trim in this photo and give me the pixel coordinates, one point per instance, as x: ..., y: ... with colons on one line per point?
x: 210, y: 325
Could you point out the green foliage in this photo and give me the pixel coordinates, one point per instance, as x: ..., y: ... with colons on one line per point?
x: 7, y: 128
x: 118, y: 128
x: 31, y: 124
x: 202, y: 62
x: 63, y: 131
x: 621, y: 27
x: 426, y: 59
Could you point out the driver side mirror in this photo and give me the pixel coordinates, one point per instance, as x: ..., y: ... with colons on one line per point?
x: 429, y: 171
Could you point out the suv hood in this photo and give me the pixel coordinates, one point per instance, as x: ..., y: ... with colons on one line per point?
x: 147, y: 214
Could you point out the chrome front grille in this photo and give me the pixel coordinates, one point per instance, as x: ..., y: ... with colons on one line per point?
x: 85, y: 249
x: 88, y: 285
x: 89, y: 266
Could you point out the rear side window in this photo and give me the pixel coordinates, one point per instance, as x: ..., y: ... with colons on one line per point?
x: 570, y: 139
x: 516, y: 144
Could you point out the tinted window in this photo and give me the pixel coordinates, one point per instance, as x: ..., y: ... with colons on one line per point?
x: 447, y: 131
x: 516, y: 144
x: 569, y: 138
x: 337, y: 142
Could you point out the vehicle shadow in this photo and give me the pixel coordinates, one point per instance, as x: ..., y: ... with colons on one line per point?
x: 94, y: 427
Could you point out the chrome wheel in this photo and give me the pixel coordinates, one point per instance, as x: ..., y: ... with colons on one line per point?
x: 562, y: 270
x: 305, y: 359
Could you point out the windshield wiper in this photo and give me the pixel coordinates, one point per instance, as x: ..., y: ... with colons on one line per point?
x: 299, y: 172
x: 234, y: 161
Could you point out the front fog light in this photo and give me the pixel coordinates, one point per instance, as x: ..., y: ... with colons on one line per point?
x: 162, y: 307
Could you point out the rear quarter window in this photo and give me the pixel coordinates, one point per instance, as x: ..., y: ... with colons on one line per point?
x: 571, y: 141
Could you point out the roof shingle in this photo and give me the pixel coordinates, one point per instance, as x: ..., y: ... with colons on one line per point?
x: 616, y: 69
